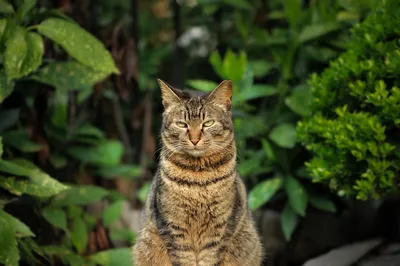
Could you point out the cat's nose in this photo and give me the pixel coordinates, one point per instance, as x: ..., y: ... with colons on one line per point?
x: 194, y: 141
x: 194, y: 136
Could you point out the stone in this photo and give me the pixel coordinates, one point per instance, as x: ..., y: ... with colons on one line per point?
x: 345, y: 255
x: 392, y: 248
x: 386, y: 260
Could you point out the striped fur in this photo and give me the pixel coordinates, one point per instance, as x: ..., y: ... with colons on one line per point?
x: 196, y: 212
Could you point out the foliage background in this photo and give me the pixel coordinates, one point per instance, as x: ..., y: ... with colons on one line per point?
x: 79, y: 125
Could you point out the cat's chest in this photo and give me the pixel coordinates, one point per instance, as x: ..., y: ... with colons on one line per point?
x: 195, y: 206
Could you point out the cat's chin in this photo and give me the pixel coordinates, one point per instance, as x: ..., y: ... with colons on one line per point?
x: 197, y: 152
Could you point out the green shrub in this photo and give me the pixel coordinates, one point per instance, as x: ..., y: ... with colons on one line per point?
x: 354, y: 129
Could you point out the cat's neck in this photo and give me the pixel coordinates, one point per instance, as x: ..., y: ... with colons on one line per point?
x: 211, y: 160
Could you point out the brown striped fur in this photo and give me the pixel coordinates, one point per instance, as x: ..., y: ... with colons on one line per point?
x: 196, y: 212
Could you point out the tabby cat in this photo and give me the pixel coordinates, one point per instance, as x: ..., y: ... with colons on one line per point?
x: 196, y: 212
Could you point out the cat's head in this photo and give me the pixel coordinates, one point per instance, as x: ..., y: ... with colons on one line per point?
x: 197, y: 123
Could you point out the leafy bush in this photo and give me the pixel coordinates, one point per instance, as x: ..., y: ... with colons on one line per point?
x: 269, y: 74
x: 354, y: 128
x: 26, y: 189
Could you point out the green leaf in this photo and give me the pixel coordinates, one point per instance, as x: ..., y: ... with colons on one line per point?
x: 25, y: 7
x: 19, y: 140
x: 260, y: 68
x: 34, y: 55
x: 122, y: 170
x: 65, y: 254
x: 107, y: 153
x: 297, y: 195
x: 38, y: 183
x: 293, y: 11
x: 20, y: 229
x: 6, y: 86
x: 202, y: 85
x: 82, y: 195
x: 284, y: 135
x: 113, y: 257
x: 69, y: 76
x: 256, y: 91
x: 269, y: 152
x: 3, y: 29
x: 112, y: 213
x: 216, y: 63
x: 23, y: 53
x: 1, y: 146
x: 5, y: 7
x: 15, y: 53
x: 322, y: 203
x: 59, y: 115
x: 56, y: 217
x: 122, y: 234
x: 9, y: 254
x: 234, y: 66
x: 263, y: 192
x: 79, y: 234
x: 58, y: 160
x: 89, y: 130
x: 79, y: 43
x: 315, y: 31
x: 289, y: 221
x: 300, y: 100
x: 143, y: 191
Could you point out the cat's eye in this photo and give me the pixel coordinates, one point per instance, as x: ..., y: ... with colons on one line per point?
x: 208, y: 123
x: 181, y: 124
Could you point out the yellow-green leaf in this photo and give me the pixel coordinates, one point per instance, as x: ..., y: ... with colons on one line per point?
x: 33, y: 181
x: 263, y: 192
x: 20, y: 229
x: 35, y: 52
x: 6, y: 7
x: 9, y: 254
x: 80, y: 44
x: 68, y: 76
x: 107, y: 153
x: 3, y: 27
x: 113, y: 257
x: 112, y: 213
x: 15, y: 53
x: 56, y: 217
x: 6, y: 86
x: 19, y: 139
x: 202, y: 85
x: 284, y: 135
x: 314, y: 31
x: 81, y: 195
x: 23, y: 53
x: 79, y: 234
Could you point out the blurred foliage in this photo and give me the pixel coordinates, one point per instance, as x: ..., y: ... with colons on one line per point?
x: 80, y: 109
x: 355, y: 123
x: 275, y: 53
x: 25, y: 66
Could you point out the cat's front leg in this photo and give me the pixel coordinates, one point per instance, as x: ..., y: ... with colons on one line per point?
x: 180, y: 253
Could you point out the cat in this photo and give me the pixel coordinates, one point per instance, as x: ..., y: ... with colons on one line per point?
x: 196, y: 211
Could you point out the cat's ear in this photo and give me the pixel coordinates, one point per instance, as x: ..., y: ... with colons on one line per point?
x: 222, y: 95
x: 169, y: 95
